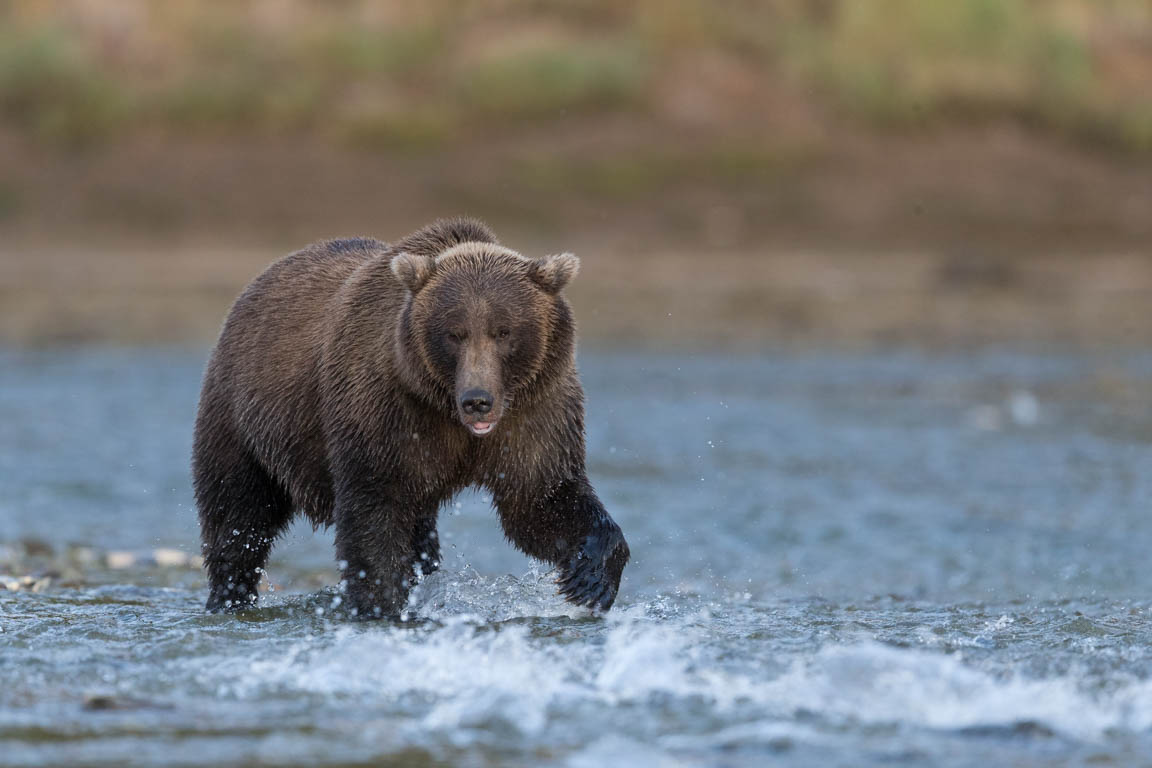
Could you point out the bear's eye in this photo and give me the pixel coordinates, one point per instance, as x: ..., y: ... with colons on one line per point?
x: 457, y: 336
x: 503, y: 333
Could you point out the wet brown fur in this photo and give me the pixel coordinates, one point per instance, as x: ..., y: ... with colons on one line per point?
x: 334, y: 391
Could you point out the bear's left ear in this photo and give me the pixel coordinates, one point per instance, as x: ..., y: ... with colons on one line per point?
x: 552, y: 273
x: 413, y: 270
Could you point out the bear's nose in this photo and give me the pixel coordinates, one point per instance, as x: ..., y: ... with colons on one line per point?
x: 476, y: 401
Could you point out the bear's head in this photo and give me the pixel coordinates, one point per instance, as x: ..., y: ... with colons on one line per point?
x: 484, y: 321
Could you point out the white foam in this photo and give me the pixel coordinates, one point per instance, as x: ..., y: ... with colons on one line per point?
x: 445, y: 596
x: 620, y: 750
x: 470, y: 672
x: 467, y: 674
x: 876, y: 684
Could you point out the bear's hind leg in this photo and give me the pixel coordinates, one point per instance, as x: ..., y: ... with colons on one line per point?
x: 242, y: 511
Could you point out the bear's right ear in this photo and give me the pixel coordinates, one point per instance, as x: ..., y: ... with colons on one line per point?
x: 413, y: 270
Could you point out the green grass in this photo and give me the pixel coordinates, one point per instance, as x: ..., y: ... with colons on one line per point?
x: 919, y: 61
x: 438, y: 71
x: 920, y: 57
x: 646, y: 173
x: 52, y: 89
x: 545, y: 81
x: 9, y: 201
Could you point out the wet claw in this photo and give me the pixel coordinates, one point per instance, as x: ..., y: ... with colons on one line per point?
x: 592, y: 577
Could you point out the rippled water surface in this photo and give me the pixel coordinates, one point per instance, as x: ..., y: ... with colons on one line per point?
x: 837, y: 560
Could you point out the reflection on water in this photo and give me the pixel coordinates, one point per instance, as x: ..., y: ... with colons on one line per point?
x: 841, y: 558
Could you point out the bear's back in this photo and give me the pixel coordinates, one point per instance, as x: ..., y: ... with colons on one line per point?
x: 265, y: 364
x: 281, y: 314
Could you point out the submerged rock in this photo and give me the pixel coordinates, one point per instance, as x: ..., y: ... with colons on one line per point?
x: 156, y: 558
x: 30, y: 565
x: 82, y: 556
x: 99, y: 702
x: 27, y: 583
x: 34, y: 547
x: 119, y: 561
x: 174, y: 558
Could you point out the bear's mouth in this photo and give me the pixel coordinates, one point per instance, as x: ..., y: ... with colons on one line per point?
x: 481, y: 428
x: 481, y: 424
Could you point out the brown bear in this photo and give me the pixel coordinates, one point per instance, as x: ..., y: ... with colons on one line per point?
x: 364, y: 384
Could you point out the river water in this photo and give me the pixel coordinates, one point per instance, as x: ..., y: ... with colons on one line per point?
x: 857, y: 559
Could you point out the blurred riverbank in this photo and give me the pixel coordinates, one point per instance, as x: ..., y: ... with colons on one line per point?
x: 744, y: 175
x: 955, y: 239
x: 674, y: 299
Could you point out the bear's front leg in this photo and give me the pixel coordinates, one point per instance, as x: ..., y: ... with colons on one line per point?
x: 426, y: 544
x: 591, y: 577
x: 375, y: 537
x: 566, y: 525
